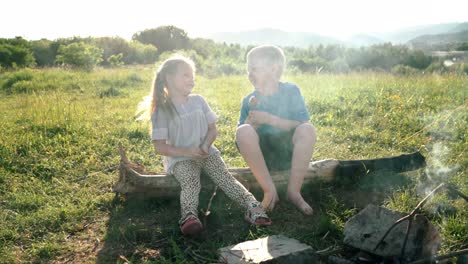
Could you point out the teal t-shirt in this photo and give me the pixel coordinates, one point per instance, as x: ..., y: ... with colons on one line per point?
x: 286, y: 103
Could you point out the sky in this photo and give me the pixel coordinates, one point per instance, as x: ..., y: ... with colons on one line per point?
x: 52, y: 19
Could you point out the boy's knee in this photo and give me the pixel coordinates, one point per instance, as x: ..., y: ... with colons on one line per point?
x: 245, y: 133
x: 305, y: 131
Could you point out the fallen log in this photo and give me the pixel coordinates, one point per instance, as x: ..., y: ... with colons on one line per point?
x: 134, y: 179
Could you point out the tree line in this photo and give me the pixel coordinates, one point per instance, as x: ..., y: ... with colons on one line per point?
x: 211, y: 58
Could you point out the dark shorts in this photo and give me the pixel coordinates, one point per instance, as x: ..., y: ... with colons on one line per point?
x: 277, y: 150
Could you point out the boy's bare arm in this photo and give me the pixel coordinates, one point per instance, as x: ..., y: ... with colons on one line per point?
x: 265, y: 118
x: 165, y: 149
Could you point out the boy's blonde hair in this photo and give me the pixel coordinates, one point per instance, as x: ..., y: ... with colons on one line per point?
x: 267, y: 55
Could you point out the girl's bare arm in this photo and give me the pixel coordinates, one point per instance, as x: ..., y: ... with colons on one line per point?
x: 165, y: 149
x: 210, y: 137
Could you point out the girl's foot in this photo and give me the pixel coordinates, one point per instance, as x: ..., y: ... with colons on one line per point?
x: 299, y: 202
x: 269, y: 201
x: 191, y: 226
x: 256, y: 215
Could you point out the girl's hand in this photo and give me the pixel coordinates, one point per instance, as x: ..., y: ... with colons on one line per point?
x: 205, y: 149
x: 196, y: 153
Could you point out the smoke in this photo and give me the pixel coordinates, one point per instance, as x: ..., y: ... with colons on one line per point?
x: 443, y: 130
x: 438, y: 169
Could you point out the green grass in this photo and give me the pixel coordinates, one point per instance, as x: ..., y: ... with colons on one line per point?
x: 58, y: 151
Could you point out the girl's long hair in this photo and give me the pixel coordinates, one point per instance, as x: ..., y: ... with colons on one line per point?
x: 159, y: 96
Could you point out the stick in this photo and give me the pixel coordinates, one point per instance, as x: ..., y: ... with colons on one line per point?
x: 209, y: 206
x: 420, y: 204
x: 412, y: 215
x: 441, y: 257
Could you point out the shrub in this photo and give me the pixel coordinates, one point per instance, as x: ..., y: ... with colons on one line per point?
x: 16, y: 77
x: 404, y: 70
x: 109, y: 92
x: 436, y: 67
x: 140, y: 53
x: 43, y: 52
x: 79, y: 55
x: 115, y: 60
x: 12, y: 56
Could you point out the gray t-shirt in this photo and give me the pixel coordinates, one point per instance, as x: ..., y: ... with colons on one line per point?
x: 186, y: 129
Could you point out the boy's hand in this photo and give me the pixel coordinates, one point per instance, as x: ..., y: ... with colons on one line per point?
x: 249, y: 121
x: 257, y: 118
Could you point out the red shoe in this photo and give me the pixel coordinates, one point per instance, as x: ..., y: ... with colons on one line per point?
x: 191, y: 226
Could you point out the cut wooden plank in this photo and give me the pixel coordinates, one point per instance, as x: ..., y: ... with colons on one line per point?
x: 270, y: 249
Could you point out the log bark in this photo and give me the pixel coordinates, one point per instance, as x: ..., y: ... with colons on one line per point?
x: 134, y: 179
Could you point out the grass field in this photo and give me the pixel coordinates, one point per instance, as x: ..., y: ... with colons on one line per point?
x: 58, y: 162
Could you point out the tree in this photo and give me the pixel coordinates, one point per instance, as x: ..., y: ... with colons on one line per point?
x: 43, y: 52
x: 165, y: 38
x: 381, y: 56
x: 15, y: 53
x: 330, y: 52
x: 462, y: 47
x: 418, y: 60
x: 57, y: 43
x: 140, y: 53
x: 115, y: 60
x: 203, y: 47
x: 112, y: 46
x: 79, y: 55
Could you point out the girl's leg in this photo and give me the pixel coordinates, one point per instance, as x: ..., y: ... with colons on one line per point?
x: 216, y: 169
x: 187, y: 173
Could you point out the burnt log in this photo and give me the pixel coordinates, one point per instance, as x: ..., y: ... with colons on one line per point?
x: 401, y: 163
x: 133, y: 178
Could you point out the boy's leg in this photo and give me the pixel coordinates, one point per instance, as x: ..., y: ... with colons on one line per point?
x: 304, y: 139
x: 247, y: 141
x: 187, y: 173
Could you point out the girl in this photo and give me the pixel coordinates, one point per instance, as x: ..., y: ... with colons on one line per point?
x: 183, y: 131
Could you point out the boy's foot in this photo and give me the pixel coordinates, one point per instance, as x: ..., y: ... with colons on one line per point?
x: 256, y: 215
x: 269, y: 201
x: 191, y: 226
x: 300, y: 203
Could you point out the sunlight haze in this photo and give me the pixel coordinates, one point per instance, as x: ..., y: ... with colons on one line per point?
x: 56, y: 19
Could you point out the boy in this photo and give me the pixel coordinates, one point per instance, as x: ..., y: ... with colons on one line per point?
x: 274, y: 132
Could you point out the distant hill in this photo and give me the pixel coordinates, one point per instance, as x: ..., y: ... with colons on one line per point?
x: 363, y: 40
x: 306, y: 39
x: 438, y: 39
x: 406, y: 34
x: 274, y: 36
x: 460, y: 27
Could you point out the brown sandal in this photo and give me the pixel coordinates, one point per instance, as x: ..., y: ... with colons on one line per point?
x: 257, y: 216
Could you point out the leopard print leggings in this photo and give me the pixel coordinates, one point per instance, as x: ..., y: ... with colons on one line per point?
x: 187, y: 173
